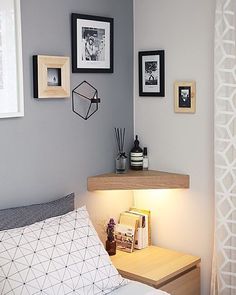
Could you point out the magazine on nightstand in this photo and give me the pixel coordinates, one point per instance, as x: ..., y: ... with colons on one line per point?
x: 148, y: 224
x: 139, y: 222
x: 141, y: 230
x: 124, y: 236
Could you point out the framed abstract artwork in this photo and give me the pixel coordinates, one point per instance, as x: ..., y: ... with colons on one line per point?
x: 11, y: 69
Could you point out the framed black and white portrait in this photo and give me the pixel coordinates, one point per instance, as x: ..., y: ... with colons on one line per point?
x: 185, y: 97
x: 152, y: 73
x: 92, y: 44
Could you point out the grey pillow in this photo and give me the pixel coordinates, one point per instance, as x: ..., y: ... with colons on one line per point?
x: 26, y: 215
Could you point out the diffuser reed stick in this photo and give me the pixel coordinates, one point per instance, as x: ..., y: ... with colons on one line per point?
x: 120, y: 139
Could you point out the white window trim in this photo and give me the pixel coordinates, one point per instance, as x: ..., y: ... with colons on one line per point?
x: 18, y: 39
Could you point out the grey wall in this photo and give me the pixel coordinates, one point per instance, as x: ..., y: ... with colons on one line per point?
x: 51, y: 151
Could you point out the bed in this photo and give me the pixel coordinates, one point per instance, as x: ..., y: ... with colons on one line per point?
x: 53, y: 249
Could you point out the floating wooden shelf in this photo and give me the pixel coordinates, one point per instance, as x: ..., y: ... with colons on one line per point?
x: 135, y: 180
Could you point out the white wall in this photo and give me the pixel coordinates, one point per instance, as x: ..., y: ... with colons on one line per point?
x: 182, y: 219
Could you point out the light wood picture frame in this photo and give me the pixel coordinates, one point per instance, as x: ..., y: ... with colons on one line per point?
x: 185, y: 97
x: 51, y: 76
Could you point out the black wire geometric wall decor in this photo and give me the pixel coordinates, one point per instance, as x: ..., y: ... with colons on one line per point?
x: 85, y: 100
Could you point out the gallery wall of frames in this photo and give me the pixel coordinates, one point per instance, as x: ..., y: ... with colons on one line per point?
x: 92, y: 51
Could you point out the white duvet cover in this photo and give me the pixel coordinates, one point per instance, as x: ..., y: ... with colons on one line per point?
x: 135, y: 288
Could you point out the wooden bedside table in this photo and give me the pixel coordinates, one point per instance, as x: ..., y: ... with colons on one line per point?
x: 174, y: 272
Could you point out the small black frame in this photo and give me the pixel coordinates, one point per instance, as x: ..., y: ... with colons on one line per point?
x: 152, y: 73
x: 92, y: 43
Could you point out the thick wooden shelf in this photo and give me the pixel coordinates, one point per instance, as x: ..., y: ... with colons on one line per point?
x: 135, y: 180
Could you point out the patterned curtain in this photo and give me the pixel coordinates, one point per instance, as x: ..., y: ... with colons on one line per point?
x: 224, y: 260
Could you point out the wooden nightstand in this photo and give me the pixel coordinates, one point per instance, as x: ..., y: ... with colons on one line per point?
x: 174, y: 272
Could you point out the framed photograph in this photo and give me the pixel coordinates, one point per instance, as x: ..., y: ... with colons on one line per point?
x: 51, y: 76
x: 152, y: 73
x: 92, y: 44
x: 185, y: 97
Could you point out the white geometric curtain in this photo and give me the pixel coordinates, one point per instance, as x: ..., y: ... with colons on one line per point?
x: 224, y: 260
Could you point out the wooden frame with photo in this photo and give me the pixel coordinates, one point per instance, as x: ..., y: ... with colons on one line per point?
x: 51, y: 76
x: 185, y: 96
x: 152, y: 73
x: 92, y: 44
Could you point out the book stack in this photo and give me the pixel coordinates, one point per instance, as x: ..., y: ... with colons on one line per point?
x: 133, y: 230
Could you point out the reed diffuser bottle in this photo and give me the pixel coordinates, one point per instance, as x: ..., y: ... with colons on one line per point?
x: 136, y: 156
x: 121, y: 159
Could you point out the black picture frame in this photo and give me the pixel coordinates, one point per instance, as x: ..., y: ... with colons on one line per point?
x: 92, y: 43
x: 152, y: 73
